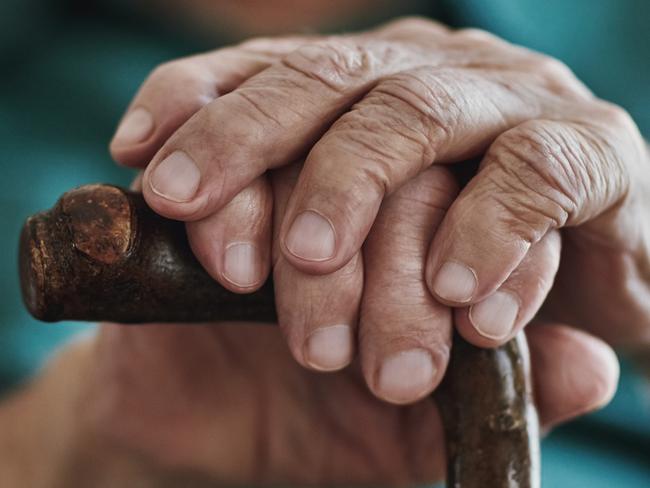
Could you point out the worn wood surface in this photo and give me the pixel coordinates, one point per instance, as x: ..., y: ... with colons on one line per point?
x: 491, y: 425
x: 102, y: 255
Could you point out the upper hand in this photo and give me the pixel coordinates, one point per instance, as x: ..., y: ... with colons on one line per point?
x: 373, y: 110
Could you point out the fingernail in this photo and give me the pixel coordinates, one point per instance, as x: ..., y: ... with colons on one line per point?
x: 455, y: 282
x: 176, y: 177
x: 329, y: 348
x: 136, y: 126
x: 406, y: 376
x: 241, y: 264
x: 495, y: 316
x: 311, y: 237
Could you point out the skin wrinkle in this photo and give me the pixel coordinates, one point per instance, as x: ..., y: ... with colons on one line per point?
x: 612, y: 192
x: 416, y: 133
x: 522, y: 163
x: 382, y: 172
x: 441, y: 66
x: 594, y: 182
x: 267, y: 116
x: 573, y: 150
x: 527, y: 201
x: 356, y: 133
x: 373, y: 117
x: 557, y: 144
x: 530, y: 233
x: 300, y: 387
x: 344, y: 208
x: 519, y: 228
x: 344, y: 63
x: 428, y: 105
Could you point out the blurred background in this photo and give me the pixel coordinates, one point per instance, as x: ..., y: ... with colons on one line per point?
x: 69, y: 69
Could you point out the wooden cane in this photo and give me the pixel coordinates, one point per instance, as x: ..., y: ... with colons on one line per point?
x: 100, y: 254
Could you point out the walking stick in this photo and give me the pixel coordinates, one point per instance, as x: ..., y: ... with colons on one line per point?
x: 100, y: 254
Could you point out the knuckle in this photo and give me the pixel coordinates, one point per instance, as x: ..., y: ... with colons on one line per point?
x: 438, y: 185
x: 383, y: 130
x: 391, y: 152
x: 536, y: 146
x: 336, y: 63
x: 426, y: 97
x: 373, y: 176
x: 401, y: 125
x: 252, y: 105
x: 536, y: 178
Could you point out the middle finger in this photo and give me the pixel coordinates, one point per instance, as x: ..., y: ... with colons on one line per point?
x: 404, y: 334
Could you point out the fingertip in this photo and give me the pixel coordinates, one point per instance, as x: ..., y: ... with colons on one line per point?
x: 329, y: 348
x: 175, y: 178
x: 243, y: 267
x: 319, y: 314
x: 406, y: 376
x: 603, y: 373
x: 136, y: 126
x: 311, y: 237
x: 495, y: 317
x: 464, y: 322
x: 453, y: 283
x: 131, y: 144
x: 136, y: 184
x: 234, y: 243
x: 575, y: 373
x: 174, y: 191
x: 328, y: 216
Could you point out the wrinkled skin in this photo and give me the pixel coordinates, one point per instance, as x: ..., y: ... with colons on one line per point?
x: 370, y: 112
x: 375, y: 115
x: 226, y: 405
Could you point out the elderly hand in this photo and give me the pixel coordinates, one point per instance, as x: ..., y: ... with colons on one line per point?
x: 226, y: 405
x: 372, y: 111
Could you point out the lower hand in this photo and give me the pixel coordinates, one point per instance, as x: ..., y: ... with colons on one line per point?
x: 226, y: 403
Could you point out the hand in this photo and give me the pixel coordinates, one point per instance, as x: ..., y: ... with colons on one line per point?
x: 170, y: 405
x: 225, y: 404
x: 374, y: 110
